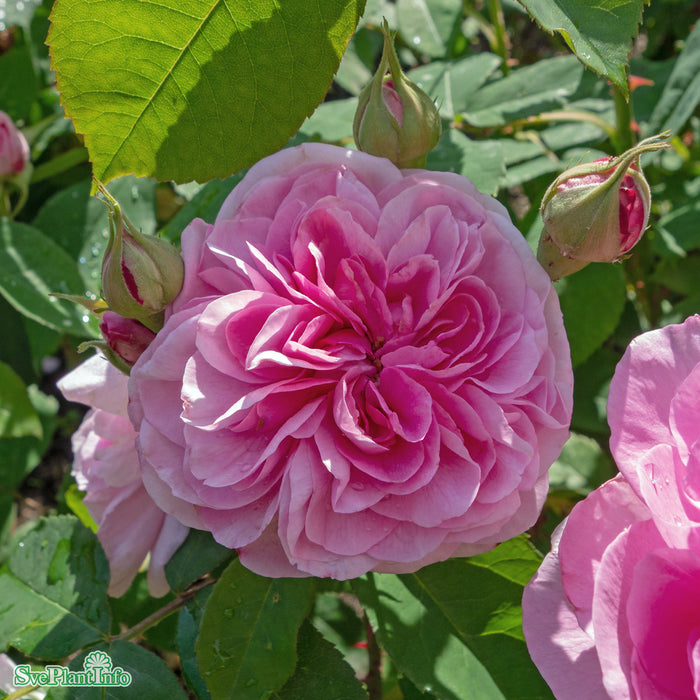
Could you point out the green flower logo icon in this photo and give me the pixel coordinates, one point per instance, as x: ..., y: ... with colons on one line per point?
x: 97, y: 659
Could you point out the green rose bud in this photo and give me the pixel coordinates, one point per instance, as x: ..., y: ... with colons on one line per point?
x: 595, y: 212
x: 395, y: 119
x: 141, y: 274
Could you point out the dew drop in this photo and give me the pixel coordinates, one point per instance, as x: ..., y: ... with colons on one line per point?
x: 82, y: 260
x: 85, y: 318
x: 21, y: 545
x: 20, y: 6
x: 2, y: 14
x: 135, y: 193
x: 94, y: 251
x: 416, y: 40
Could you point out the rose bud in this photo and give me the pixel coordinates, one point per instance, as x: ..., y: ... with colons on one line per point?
x: 15, y: 169
x: 14, y: 149
x: 395, y: 119
x: 126, y: 337
x: 141, y: 274
x: 595, y: 212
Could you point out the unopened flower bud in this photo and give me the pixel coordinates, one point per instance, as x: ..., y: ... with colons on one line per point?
x: 14, y: 149
x: 126, y: 337
x: 141, y: 274
x: 15, y: 167
x: 595, y: 212
x: 395, y: 119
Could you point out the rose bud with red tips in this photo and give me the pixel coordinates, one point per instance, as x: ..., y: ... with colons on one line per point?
x: 141, y: 274
x: 595, y: 212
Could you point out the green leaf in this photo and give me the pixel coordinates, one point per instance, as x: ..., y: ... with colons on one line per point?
x: 681, y: 93
x: 321, y: 672
x: 331, y: 122
x: 600, y: 33
x: 18, y: 87
x: 581, y: 467
x: 196, y: 556
x: 525, y: 92
x: 18, y: 353
x: 428, y: 25
x: 18, y: 456
x: 32, y: 267
x: 483, y: 162
x: 451, y: 84
x: 18, y: 418
x: 188, y: 625
x: 592, y: 301
x: 151, y: 678
x: 193, y: 89
x: 678, y: 231
x: 79, y: 223
x: 53, y: 590
x: 205, y: 205
x: 247, y: 643
x: 74, y: 500
x: 454, y: 628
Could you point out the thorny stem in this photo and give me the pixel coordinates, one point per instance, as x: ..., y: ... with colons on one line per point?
x: 500, y: 37
x: 166, y: 610
x: 374, y: 675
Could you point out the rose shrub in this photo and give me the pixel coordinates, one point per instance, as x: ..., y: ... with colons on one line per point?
x: 614, y: 610
x: 106, y: 466
x: 366, y: 369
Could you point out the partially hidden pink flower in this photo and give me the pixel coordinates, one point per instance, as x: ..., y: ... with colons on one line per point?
x: 125, y: 336
x: 366, y: 369
x: 654, y: 416
x: 14, y: 149
x: 106, y: 467
x: 614, y: 610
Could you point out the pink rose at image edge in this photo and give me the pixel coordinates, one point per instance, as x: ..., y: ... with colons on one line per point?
x: 14, y: 149
x: 366, y: 369
x: 614, y: 610
x: 106, y: 467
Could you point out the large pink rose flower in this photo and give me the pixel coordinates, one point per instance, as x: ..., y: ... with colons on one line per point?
x: 106, y: 466
x: 366, y: 369
x: 614, y: 610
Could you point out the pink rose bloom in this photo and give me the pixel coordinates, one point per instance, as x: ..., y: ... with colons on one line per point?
x: 366, y: 369
x: 654, y: 416
x: 14, y: 149
x: 614, y: 610
x: 106, y: 466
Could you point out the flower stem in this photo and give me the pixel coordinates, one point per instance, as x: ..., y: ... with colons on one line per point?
x: 500, y: 37
x: 374, y: 675
x: 162, y: 613
x: 60, y: 164
x: 623, y: 138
